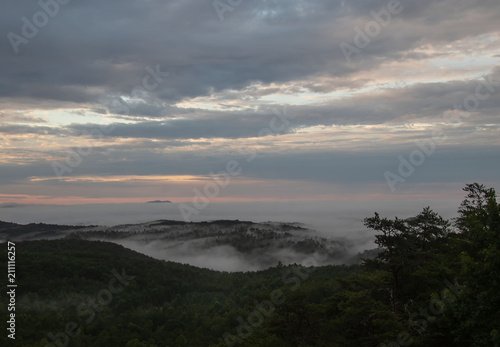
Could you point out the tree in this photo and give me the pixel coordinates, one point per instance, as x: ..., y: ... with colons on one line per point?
x: 413, y: 253
x: 427, y: 227
x: 476, y: 317
x: 394, y: 241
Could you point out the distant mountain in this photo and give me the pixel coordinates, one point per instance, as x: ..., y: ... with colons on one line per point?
x: 34, y: 231
x: 225, y: 245
x: 159, y: 202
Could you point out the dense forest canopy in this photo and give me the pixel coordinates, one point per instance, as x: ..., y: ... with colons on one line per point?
x: 433, y: 282
x: 222, y: 245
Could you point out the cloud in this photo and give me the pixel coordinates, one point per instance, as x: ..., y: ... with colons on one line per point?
x: 351, y: 120
x: 94, y: 47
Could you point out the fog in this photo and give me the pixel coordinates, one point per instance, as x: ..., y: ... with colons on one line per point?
x: 336, y: 221
x: 221, y: 258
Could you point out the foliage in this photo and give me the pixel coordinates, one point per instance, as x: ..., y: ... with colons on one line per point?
x: 431, y: 283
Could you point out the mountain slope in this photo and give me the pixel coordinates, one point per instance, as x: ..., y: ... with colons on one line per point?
x: 115, y: 296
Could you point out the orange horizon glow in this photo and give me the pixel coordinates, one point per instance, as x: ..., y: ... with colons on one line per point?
x: 78, y: 200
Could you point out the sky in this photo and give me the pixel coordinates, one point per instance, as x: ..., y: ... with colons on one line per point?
x: 200, y: 101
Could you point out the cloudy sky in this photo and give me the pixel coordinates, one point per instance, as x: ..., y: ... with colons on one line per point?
x: 290, y: 100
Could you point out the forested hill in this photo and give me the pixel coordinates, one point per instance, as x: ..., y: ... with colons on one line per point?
x: 434, y: 282
x: 156, y: 303
x: 14, y: 231
x: 228, y: 245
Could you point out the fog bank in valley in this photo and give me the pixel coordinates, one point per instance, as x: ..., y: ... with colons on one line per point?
x: 333, y: 227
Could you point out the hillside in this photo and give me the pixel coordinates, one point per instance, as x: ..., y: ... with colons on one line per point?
x: 227, y: 245
x: 165, y: 304
x: 432, y: 282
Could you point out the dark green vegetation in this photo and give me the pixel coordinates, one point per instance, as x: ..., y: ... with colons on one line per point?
x: 251, y: 246
x: 35, y: 230
x: 434, y: 283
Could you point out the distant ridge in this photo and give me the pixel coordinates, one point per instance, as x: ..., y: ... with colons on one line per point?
x: 223, y: 245
x: 159, y: 202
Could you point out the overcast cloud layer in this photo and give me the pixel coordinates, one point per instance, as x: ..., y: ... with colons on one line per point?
x: 129, y: 101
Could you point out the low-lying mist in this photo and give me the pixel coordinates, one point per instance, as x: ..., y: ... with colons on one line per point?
x: 299, y: 231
